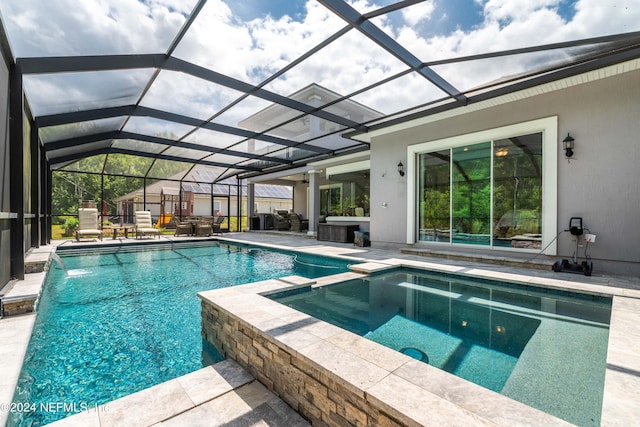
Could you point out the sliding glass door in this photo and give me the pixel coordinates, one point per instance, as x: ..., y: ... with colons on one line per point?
x: 471, y: 195
x: 435, y: 196
x: 517, y: 191
x: 487, y: 193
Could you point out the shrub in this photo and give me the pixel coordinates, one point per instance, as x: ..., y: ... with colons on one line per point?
x: 70, y: 226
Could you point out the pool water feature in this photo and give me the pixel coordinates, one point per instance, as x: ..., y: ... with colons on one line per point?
x: 122, y: 321
x: 542, y: 347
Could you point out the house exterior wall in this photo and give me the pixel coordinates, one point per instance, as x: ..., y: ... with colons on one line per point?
x: 598, y: 184
x: 300, y: 195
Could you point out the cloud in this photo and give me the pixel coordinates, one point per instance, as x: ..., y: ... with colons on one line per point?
x: 413, y: 15
x: 92, y: 27
x: 509, y: 10
x: 512, y: 24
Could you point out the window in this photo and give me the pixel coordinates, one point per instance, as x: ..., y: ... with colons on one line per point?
x: 491, y: 191
x: 331, y: 200
x: 347, y: 194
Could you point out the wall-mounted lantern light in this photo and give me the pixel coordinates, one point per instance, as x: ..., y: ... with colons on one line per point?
x: 502, y: 151
x: 401, y: 169
x: 567, y: 146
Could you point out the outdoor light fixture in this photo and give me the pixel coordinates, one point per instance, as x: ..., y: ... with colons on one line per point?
x: 401, y: 169
x: 567, y: 145
x: 502, y: 151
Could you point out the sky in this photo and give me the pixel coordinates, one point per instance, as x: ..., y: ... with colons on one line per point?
x: 251, y: 39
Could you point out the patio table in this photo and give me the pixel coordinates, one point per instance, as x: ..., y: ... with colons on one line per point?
x: 121, y: 229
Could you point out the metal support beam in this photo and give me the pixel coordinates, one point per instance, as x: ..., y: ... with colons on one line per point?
x: 132, y: 110
x: 45, y: 195
x: 16, y: 170
x: 35, y: 189
x: 49, y: 202
x: 105, y: 136
x: 144, y: 193
x: 185, y: 27
x: 251, y: 193
x: 101, y: 212
x: 84, y: 116
x: 369, y: 29
x: 77, y: 64
x: 107, y: 150
x: 239, y: 204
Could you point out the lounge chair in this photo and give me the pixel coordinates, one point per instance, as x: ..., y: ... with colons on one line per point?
x: 88, y: 223
x: 144, y: 225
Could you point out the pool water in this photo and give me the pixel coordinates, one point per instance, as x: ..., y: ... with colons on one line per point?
x: 544, y: 348
x: 123, y: 321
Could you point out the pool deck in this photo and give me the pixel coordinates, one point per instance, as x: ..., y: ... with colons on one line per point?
x: 622, y: 381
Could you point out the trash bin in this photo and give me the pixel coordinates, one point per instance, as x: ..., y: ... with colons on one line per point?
x: 361, y: 238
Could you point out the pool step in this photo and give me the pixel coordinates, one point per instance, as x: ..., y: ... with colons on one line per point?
x: 23, y: 295
x: 539, y: 262
x: 37, y: 259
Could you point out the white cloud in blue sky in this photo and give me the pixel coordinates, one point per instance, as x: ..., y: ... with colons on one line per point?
x: 417, y: 13
x: 251, y: 39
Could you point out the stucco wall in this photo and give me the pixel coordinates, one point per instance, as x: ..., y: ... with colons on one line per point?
x: 599, y: 184
x: 300, y: 198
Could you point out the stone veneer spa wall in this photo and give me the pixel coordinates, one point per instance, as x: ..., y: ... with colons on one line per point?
x: 334, y: 377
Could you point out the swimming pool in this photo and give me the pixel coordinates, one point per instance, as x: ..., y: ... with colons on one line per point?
x: 544, y: 348
x: 124, y: 320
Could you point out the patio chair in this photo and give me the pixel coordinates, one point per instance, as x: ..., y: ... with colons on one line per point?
x: 88, y: 223
x: 281, y: 222
x: 298, y: 224
x: 215, y: 227
x: 204, y: 227
x: 183, y: 228
x: 144, y: 225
